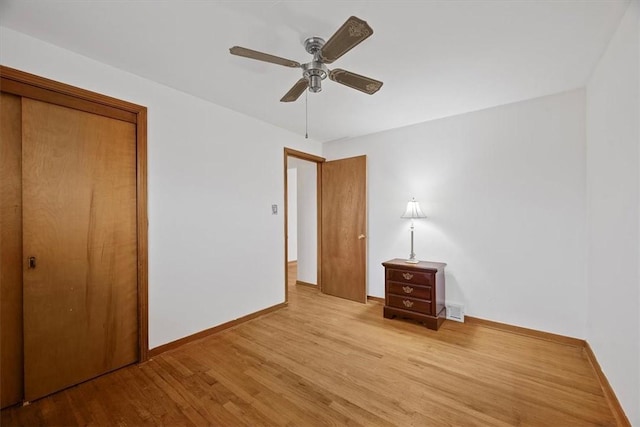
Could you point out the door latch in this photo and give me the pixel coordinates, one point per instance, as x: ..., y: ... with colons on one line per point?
x: 32, y: 262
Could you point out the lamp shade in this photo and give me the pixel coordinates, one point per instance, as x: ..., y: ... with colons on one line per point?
x: 413, y: 210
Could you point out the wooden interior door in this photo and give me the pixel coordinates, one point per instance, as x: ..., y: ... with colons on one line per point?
x: 344, y: 225
x: 79, y: 225
x: 11, y: 390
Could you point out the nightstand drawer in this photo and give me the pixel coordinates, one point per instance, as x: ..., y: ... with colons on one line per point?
x: 406, y: 276
x: 407, y: 303
x: 415, y: 291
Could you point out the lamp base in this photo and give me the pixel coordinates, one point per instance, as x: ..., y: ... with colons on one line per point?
x: 412, y: 261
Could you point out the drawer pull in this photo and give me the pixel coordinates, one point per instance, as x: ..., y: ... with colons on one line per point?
x: 407, y: 303
x: 407, y: 276
x: 407, y: 289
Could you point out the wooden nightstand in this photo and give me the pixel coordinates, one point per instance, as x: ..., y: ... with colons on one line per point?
x: 415, y: 291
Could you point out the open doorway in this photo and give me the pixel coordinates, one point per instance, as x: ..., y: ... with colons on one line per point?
x: 340, y: 225
x: 302, y: 211
x: 302, y: 207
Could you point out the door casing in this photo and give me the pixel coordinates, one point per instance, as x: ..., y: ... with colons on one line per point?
x: 288, y: 152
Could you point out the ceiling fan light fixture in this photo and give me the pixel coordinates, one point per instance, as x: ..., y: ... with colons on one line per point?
x: 315, y: 72
x: 315, y: 84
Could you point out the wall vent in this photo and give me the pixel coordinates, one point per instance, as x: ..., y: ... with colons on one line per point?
x: 455, y: 312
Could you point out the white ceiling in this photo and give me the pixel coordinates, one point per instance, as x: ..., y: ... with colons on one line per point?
x: 436, y: 58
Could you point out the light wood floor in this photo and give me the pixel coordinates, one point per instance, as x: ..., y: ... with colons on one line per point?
x: 328, y: 361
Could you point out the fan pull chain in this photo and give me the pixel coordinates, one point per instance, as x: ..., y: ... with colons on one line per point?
x: 306, y: 114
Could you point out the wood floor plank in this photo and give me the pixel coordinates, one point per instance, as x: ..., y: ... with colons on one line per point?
x: 329, y: 361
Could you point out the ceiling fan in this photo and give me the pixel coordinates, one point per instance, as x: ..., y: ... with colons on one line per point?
x: 353, y: 32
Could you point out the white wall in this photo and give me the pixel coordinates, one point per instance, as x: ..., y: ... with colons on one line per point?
x: 307, y: 222
x: 613, y: 194
x: 292, y: 211
x: 504, y: 192
x: 213, y: 176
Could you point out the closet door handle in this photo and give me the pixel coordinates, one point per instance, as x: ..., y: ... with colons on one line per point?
x: 32, y: 262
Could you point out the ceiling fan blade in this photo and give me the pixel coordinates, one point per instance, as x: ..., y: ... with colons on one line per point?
x: 260, y: 56
x: 295, y: 92
x: 352, y: 33
x: 355, y: 81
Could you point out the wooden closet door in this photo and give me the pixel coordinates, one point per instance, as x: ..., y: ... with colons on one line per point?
x: 79, y: 225
x: 11, y: 390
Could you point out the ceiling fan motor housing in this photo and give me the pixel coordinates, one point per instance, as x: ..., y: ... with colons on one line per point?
x: 314, y: 71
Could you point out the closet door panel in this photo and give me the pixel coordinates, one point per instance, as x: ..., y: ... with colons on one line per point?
x: 79, y: 226
x: 11, y: 390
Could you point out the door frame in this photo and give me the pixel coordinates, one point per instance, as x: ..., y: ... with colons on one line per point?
x: 289, y: 152
x: 31, y: 86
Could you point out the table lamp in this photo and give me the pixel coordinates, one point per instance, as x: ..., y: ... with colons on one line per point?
x: 413, y: 211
